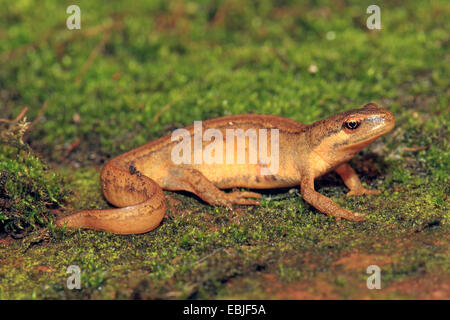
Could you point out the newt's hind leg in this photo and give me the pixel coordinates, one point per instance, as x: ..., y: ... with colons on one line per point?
x: 194, y: 181
x: 352, y: 181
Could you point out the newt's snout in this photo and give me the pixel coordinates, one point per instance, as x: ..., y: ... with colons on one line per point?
x: 378, y: 120
x: 385, y: 118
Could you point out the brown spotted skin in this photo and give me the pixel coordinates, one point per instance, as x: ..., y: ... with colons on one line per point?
x: 133, y: 181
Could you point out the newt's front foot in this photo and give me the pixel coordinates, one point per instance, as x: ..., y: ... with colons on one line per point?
x: 325, y: 204
x: 356, y: 216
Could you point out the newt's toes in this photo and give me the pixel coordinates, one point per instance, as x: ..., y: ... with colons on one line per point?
x: 238, y: 197
x: 248, y: 194
x: 358, y: 216
x: 248, y: 202
x: 350, y: 216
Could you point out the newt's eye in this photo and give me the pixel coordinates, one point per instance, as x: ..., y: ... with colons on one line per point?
x: 351, y: 125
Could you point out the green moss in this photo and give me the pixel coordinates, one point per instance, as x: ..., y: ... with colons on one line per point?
x: 27, y: 188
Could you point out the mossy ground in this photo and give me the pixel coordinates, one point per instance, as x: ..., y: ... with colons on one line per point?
x: 132, y: 74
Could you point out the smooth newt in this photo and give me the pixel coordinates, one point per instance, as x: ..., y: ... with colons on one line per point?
x: 134, y: 181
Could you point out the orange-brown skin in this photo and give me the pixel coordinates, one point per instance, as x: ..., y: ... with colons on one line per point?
x: 134, y: 180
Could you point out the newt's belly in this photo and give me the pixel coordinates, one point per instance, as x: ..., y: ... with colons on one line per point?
x: 245, y: 165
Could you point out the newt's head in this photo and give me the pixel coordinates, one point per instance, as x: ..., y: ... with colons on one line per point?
x: 340, y: 137
x: 361, y: 127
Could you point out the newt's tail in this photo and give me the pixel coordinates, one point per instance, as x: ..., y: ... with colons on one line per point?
x: 140, y: 200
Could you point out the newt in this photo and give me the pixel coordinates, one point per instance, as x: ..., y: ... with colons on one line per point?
x: 134, y: 181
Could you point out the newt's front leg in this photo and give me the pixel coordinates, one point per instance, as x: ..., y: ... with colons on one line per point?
x: 325, y: 204
x: 352, y: 181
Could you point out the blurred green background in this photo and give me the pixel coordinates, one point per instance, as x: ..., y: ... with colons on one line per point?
x: 137, y: 71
